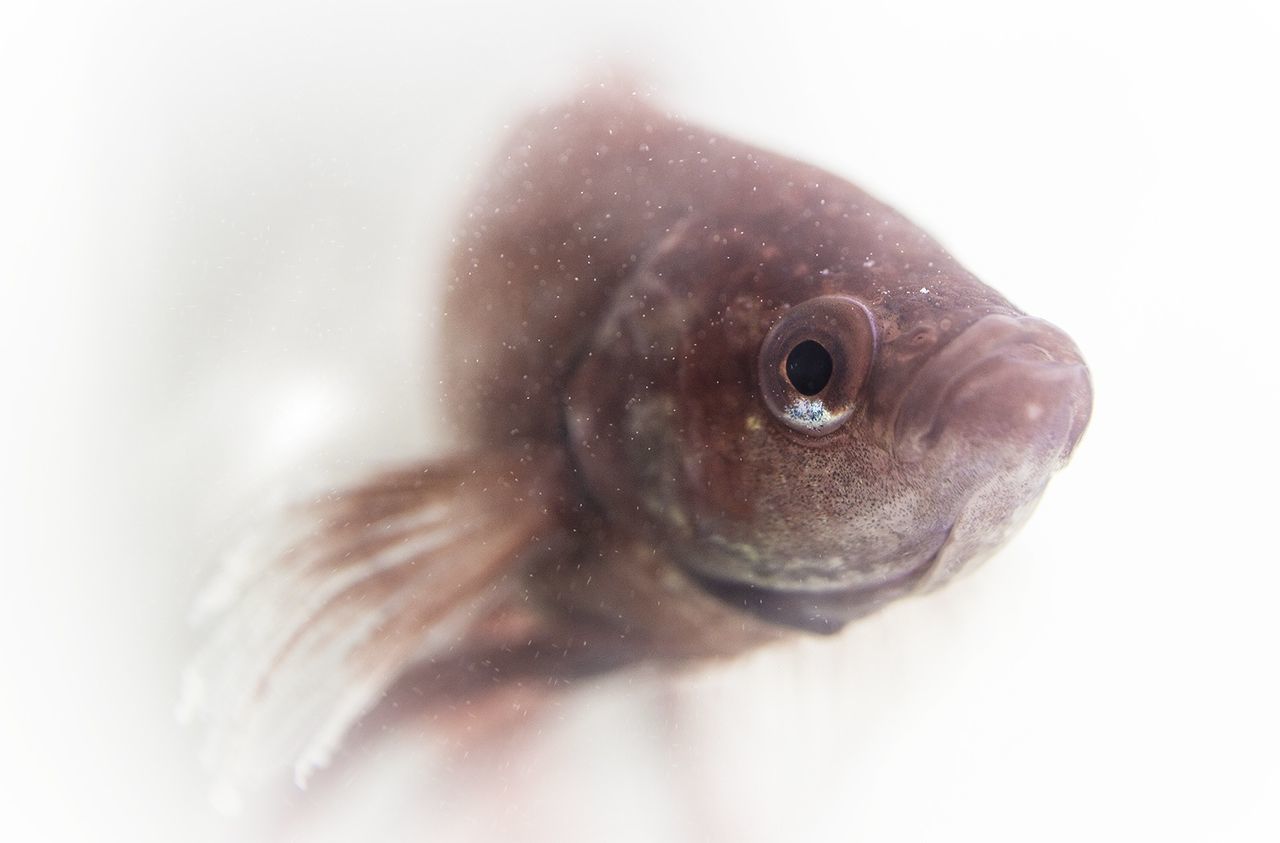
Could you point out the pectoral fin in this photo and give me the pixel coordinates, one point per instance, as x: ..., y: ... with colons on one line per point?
x: 310, y: 627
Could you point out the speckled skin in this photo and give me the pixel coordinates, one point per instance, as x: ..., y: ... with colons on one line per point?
x: 612, y: 285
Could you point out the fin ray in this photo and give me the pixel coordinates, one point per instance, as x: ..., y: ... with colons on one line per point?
x: 311, y: 626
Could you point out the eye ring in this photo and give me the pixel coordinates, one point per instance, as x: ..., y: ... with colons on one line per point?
x: 814, y: 363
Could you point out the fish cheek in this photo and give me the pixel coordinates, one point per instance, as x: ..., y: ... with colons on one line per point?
x: 675, y: 438
x: 723, y: 438
x: 622, y: 416
x: 724, y: 422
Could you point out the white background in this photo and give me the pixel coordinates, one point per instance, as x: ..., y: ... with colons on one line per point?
x: 220, y: 226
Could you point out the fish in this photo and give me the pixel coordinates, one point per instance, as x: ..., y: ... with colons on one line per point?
x: 705, y: 398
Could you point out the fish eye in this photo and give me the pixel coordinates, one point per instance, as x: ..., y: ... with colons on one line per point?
x: 809, y: 367
x: 814, y: 363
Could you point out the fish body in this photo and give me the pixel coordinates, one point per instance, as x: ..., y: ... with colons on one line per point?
x: 706, y: 397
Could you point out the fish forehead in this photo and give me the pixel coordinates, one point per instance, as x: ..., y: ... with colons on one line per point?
x: 821, y: 238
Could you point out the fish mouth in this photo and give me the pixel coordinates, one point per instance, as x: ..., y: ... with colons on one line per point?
x: 1004, y: 378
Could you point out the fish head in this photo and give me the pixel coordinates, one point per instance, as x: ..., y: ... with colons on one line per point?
x: 812, y: 432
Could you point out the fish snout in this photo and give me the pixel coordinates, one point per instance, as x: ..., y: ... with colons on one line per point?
x: 1006, y: 380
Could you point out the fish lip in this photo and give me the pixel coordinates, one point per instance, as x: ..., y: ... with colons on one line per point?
x: 964, y: 357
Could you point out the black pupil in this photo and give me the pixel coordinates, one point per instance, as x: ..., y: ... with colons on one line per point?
x: 809, y: 367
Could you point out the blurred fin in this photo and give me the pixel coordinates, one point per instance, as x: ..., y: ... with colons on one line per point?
x: 312, y: 622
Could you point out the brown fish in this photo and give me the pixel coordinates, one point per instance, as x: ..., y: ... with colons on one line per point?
x: 709, y: 396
